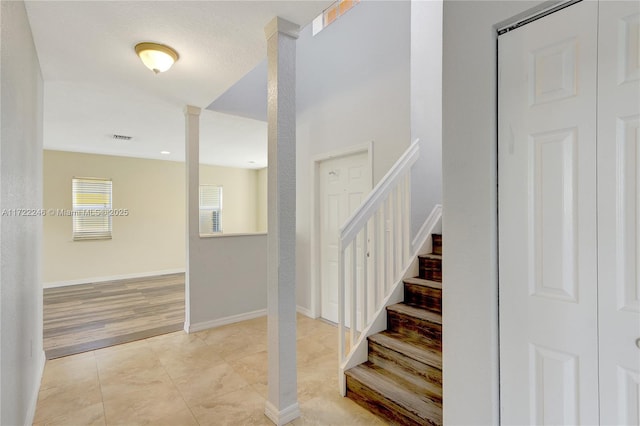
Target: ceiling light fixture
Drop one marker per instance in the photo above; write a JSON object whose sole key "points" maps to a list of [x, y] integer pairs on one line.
{"points": [[165, 152], [157, 57]]}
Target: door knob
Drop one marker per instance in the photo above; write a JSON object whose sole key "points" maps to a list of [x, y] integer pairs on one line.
{"points": [[638, 342]]}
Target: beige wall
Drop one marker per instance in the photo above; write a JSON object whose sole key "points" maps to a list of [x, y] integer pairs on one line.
{"points": [[151, 239], [239, 197]]}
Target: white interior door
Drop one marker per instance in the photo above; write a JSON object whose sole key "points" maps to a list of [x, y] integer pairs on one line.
{"points": [[547, 217], [619, 212], [344, 183]]}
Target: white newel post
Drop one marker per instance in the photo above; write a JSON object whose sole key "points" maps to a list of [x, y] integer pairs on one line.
{"points": [[282, 402], [192, 167]]}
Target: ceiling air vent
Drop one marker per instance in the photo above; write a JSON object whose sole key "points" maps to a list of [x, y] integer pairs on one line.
{"points": [[122, 137]]}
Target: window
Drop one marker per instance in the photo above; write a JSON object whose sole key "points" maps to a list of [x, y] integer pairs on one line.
{"points": [[91, 208], [210, 209], [330, 14]]}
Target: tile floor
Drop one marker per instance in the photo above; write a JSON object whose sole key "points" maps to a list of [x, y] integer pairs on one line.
{"points": [[214, 377]]}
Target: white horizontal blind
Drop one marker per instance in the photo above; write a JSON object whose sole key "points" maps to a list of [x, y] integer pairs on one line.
{"points": [[210, 209], [91, 208]]}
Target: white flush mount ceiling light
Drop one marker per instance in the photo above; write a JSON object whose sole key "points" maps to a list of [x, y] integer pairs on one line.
{"points": [[157, 57], [165, 152]]}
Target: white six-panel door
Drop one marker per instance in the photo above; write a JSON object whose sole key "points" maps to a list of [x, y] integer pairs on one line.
{"points": [[619, 212], [547, 220], [569, 215], [344, 183]]}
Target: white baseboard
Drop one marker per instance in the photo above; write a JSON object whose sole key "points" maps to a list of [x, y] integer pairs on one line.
{"points": [[305, 311], [282, 417], [31, 413], [427, 228], [112, 278], [192, 328]]}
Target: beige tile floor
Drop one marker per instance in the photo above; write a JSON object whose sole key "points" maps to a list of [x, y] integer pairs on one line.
{"points": [[214, 377]]}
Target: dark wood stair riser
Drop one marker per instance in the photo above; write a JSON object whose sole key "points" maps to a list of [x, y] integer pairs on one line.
{"points": [[436, 240], [431, 275], [401, 365], [423, 297], [431, 269], [378, 404], [431, 263], [415, 327]]}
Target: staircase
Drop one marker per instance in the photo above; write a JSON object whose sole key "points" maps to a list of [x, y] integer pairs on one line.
{"points": [[402, 379]]}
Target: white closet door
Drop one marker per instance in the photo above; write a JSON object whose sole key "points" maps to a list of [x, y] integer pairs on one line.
{"points": [[547, 218], [619, 211]]}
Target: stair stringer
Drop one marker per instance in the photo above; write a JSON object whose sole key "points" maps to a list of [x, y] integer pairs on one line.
{"points": [[360, 352]]}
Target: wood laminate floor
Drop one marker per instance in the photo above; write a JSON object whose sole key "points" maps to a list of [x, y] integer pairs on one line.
{"points": [[86, 317]]}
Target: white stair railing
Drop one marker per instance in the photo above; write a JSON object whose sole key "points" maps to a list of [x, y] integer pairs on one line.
{"points": [[374, 249]]}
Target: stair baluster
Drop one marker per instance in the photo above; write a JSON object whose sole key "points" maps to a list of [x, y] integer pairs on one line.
{"points": [[402, 379]]}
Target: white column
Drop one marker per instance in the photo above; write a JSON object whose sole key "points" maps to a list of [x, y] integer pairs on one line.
{"points": [[192, 167], [282, 402]]}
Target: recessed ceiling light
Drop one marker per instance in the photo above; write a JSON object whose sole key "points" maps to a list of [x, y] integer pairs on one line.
{"points": [[157, 57], [252, 162], [165, 152]]}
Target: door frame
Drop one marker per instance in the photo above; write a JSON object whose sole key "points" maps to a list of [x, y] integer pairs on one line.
{"points": [[314, 264]]}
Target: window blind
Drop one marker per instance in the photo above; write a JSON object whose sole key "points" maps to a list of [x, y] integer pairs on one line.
{"points": [[91, 208], [210, 209]]}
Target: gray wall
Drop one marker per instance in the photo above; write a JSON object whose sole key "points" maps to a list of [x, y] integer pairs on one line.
{"points": [[352, 88], [21, 352], [470, 299], [426, 108], [227, 276]]}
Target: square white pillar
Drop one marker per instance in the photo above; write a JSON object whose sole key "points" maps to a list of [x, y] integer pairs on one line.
{"points": [[192, 167], [282, 402]]}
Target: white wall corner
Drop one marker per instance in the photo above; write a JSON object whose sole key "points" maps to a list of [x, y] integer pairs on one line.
{"points": [[192, 328], [305, 311], [282, 417], [31, 414]]}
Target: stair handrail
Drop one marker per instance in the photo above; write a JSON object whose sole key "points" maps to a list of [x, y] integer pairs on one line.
{"points": [[396, 181]]}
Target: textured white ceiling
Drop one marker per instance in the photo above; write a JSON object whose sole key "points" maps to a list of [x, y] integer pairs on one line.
{"points": [[95, 85], [82, 117]]}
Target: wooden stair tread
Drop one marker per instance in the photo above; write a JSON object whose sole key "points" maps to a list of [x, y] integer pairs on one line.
{"points": [[418, 313], [430, 256], [402, 379], [409, 347], [424, 402], [423, 282]]}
